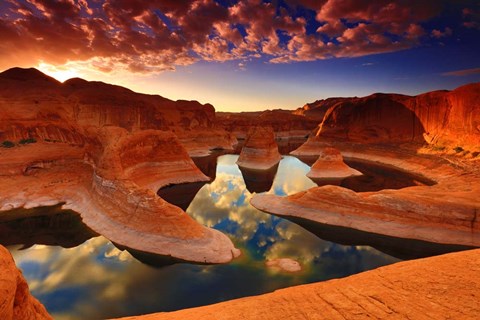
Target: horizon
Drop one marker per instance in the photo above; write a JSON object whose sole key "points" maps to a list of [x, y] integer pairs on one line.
{"points": [[248, 55]]}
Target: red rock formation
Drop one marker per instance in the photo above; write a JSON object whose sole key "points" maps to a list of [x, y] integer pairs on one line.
{"points": [[330, 167], [260, 150], [445, 118], [443, 287], [33, 105], [445, 212], [89, 145], [16, 302]]}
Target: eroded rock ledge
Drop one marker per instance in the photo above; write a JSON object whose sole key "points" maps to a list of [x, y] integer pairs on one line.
{"points": [[92, 147], [443, 287], [445, 212]]}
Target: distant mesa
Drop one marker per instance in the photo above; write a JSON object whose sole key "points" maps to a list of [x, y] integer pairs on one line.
{"points": [[330, 168], [260, 151]]}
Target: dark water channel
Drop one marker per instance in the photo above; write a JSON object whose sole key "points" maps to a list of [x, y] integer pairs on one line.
{"points": [[79, 275]]}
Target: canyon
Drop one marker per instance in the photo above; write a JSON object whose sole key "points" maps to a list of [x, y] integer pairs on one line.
{"points": [[104, 152]]}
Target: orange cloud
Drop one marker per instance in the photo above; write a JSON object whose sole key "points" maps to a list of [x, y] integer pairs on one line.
{"points": [[157, 35]]}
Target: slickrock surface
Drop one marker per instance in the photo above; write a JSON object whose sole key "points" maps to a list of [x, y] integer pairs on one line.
{"points": [[443, 287], [15, 300], [445, 212], [330, 166], [260, 150], [90, 146]]}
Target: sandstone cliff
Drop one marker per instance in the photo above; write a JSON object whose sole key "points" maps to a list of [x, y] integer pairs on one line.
{"points": [[33, 105], [446, 119], [16, 302], [260, 150]]}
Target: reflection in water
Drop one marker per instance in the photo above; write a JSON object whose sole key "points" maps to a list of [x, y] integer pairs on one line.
{"points": [[404, 249], [182, 194], [258, 180], [48, 225], [119, 285]]}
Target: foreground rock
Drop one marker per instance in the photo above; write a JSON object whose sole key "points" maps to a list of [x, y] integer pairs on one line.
{"points": [[443, 287], [260, 151], [15, 299], [445, 212], [330, 168]]}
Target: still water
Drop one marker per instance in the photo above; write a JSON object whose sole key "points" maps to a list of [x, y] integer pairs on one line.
{"points": [[85, 276]]}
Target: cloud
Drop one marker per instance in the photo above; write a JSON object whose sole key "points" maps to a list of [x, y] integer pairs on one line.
{"points": [[439, 34], [462, 73], [153, 36]]}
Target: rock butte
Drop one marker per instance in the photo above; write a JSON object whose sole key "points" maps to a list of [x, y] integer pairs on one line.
{"points": [[390, 130], [15, 299], [442, 287], [89, 146], [330, 166], [260, 151]]}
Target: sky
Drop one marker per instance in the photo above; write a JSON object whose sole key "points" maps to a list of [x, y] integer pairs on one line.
{"points": [[248, 55]]}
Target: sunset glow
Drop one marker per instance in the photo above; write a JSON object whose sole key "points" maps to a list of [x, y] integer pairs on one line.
{"points": [[248, 55]]}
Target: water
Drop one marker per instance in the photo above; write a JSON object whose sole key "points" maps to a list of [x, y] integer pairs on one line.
{"points": [[95, 280]]}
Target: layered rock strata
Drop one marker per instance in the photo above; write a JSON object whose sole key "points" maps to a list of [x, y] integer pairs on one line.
{"points": [[445, 212], [16, 302], [113, 187], [443, 287], [330, 167], [260, 151], [449, 120]]}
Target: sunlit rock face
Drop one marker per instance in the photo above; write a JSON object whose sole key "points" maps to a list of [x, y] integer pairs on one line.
{"points": [[260, 150], [88, 145], [330, 168], [403, 290], [15, 299], [388, 129], [447, 119]]}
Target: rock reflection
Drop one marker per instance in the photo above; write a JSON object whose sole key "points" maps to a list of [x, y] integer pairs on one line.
{"points": [[182, 194], [46, 225], [258, 180], [404, 249]]}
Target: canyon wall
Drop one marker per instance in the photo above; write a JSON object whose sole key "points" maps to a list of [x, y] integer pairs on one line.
{"points": [[446, 119], [33, 105]]}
